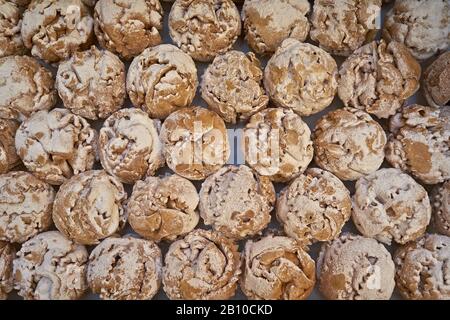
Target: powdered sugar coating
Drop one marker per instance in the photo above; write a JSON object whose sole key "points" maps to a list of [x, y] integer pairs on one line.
{"points": [[440, 202], [8, 156], [7, 255], [10, 23]]}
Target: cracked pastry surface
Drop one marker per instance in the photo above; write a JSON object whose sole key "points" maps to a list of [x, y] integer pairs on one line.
{"points": [[390, 205], [127, 27], [204, 28], [25, 87], [163, 208], [422, 268], [10, 24], [352, 267], [301, 77], [419, 142], [204, 265], [232, 86], [50, 267], [161, 80], [56, 144], [8, 156], [7, 255], [277, 144], [349, 143], [129, 145], [125, 269], [91, 83], [89, 207], [378, 78], [436, 81], [237, 202], [314, 207], [25, 206], [440, 203]]}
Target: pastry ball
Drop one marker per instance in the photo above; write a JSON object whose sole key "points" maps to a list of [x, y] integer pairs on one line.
{"points": [[195, 142], [8, 155], [232, 86], [378, 78], [436, 81], [277, 144], [422, 25], [440, 203], [56, 144], [349, 143], [422, 268], [25, 87], [237, 202], [352, 267], [89, 207], [162, 80], [10, 23], [25, 206], [7, 255], [314, 207], [390, 205], [204, 28], [127, 27], [125, 269], [419, 143], [129, 145], [301, 77], [91, 83], [54, 30], [163, 208], [204, 265]]}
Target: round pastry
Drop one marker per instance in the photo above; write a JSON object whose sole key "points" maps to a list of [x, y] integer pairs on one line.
{"points": [[56, 144], [277, 144], [25, 206], [301, 77], [161, 80], [89, 207], [163, 208], [25, 87], [352, 267], [378, 78], [10, 23], [8, 155], [349, 143], [237, 202], [195, 142], [436, 81], [204, 28], [390, 205], [91, 83], [422, 25], [422, 268], [202, 266], [54, 30], [125, 269], [129, 145], [127, 27], [440, 203], [7, 255], [420, 142], [314, 207]]}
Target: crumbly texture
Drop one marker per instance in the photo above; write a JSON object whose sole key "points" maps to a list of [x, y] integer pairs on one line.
{"points": [[125, 269], [422, 268], [91, 83], [422, 25], [56, 144], [349, 143], [25, 87], [342, 26], [314, 207], [378, 78], [8, 156], [419, 143], [237, 202], [301, 77], [129, 145], [202, 266], [436, 81], [127, 27], [440, 202], [268, 22], [390, 205], [195, 142], [352, 267], [7, 255], [89, 207], [10, 24], [204, 28], [277, 144], [50, 267], [163, 208]]}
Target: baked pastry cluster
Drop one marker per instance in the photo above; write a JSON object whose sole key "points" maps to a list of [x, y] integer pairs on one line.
{"points": [[10, 25]]}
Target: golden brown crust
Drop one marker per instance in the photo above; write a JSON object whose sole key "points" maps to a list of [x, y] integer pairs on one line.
{"points": [[8, 156], [10, 24], [436, 81], [7, 255]]}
